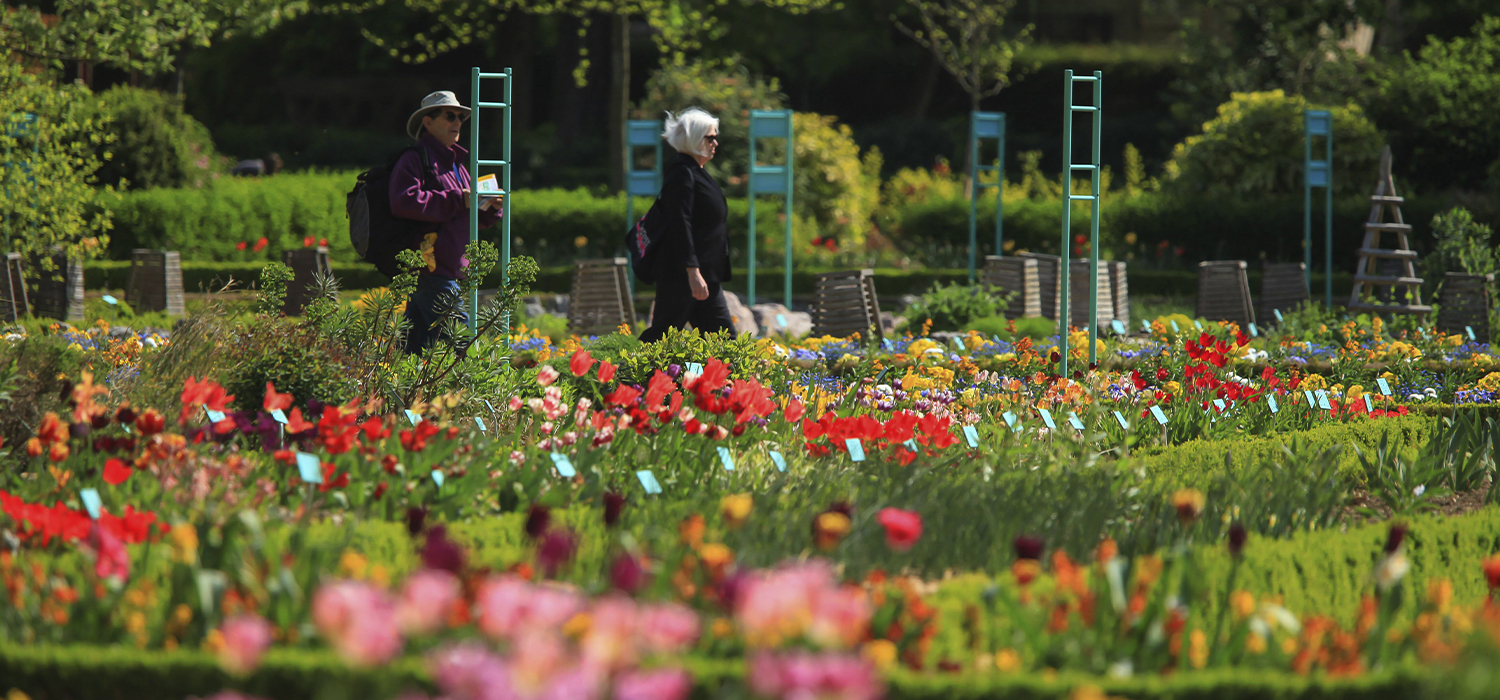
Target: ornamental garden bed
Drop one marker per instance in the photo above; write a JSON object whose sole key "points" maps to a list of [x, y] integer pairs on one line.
{"points": [[289, 508]]}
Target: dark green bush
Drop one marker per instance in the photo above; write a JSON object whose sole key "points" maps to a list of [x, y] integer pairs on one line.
{"points": [[156, 143], [294, 360], [954, 307]]}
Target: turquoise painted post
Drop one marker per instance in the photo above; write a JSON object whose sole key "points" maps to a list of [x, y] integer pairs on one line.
{"points": [[774, 179], [1065, 311], [475, 163], [983, 125], [1318, 173]]}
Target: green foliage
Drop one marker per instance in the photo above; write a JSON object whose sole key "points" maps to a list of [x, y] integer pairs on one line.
{"points": [[1255, 45], [968, 38], [637, 362], [955, 307], [273, 279], [835, 188], [153, 142], [1460, 244], [725, 89], [1439, 105], [226, 219], [51, 204], [1255, 146]]}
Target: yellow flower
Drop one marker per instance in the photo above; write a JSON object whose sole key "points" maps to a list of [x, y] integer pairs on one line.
{"points": [[1198, 649], [1243, 604], [918, 347], [428, 256], [1189, 505], [1354, 392], [735, 509], [135, 622], [1173, 387], [1007, 660], [1255, 644], [880, 652], [969, 396], [1130, 238], [1313, 382], [352, 564], [184, 543], [1490, 382], [1440, 594]]}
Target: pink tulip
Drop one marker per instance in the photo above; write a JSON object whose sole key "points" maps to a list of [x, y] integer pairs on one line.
{"points": [[426, 600], [246, 637], [358, 620], [668, 628], [802, 675], [546, 375], [111, 560], [469, 670], [661, 684], [610, 643], [508, 605]]}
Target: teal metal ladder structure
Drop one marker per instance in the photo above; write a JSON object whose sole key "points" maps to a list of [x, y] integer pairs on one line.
{"points": [[1318, 173], [770, 179], [641, 133], [985, 125], [476, 78], [1064, 313]]}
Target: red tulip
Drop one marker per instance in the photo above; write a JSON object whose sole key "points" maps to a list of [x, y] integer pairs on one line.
{"points": [[606, 371], [115, 472], [581, 363], [902, 528]]}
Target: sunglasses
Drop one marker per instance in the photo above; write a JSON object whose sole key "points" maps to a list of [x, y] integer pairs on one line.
{"points": [[712, 137], [452, 116]]}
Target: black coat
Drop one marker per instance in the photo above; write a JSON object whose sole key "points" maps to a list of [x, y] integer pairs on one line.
{"points": [[695, 232]]}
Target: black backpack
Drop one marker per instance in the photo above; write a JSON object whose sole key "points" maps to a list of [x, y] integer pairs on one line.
{"points": [[377, 234], [642, 240]]}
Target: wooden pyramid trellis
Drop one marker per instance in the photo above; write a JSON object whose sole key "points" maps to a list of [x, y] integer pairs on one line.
{"points": [[1367, 275]]}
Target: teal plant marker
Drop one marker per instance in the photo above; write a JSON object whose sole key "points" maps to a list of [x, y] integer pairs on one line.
{"points": [[778, 460], [1197, 324], [971, 435], [438, 478], [1175, 329], [1121, 420], [1271, 401], [488, 405], [413, 416], [1253, 332], [309, 468], [213, 416], [1470, 331], [480, 422], [91, 502], [1368, 406], [1384, 387], [1073, 421], [110, 300], [1157, 413], [641, 133], [1145, 326], [506, 107], [564, 465], [1312, 400], [694, 368], [1010, 418], [856, 450], [1118, 326], [1323, 400], [1219, 404], [910, 445], [648, 481], [1279, 319], [279, 416], [770, 179], [726, 459], [1047, 418], [781, 320]]}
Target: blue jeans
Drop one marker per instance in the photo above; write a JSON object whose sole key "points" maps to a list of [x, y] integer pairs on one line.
{"points": [[432, 293]]}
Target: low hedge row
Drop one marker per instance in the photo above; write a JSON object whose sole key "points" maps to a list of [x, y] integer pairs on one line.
{"points": [[118, 673], [889, 283], [1200, 457]]}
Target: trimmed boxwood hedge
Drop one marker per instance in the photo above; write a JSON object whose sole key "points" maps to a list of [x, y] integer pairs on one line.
{"points": [[119, 673]]}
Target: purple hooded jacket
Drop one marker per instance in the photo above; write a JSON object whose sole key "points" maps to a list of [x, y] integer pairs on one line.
{"points": [[443, 251]]}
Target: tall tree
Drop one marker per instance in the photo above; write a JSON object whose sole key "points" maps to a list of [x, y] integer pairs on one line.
{"points": [[135, 35], [969, 39]]}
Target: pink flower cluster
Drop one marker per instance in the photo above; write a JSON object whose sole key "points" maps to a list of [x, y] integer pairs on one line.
{"points": [[558, 645], [801, 601], [801, 675], [365, 623]]}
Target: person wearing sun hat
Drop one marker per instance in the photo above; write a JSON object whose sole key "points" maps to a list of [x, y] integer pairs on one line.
{"points": [[430, 184]]}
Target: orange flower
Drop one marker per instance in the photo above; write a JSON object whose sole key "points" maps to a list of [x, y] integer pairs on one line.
{"points": [[1026, 571], [52, 430], [84, 392], [150, 422], [1107, 551], [1492, 571], [275, 401], [829, 529], [1189, 504], [690, 530]]}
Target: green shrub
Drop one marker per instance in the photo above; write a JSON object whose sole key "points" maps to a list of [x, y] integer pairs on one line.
{"points": [[1459, 245], [155, 143], [1439, 108], [954, 307], [1255, 146], [296, 361], [835, 188]]}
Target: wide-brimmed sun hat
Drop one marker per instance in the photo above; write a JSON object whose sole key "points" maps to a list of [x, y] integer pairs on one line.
{"points": [[441, 98]]}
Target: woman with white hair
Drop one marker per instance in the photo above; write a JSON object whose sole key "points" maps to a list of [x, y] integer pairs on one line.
{"points": [[693, 257]]}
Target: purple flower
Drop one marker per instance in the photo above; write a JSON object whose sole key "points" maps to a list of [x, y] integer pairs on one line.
{"points": [[556, 550], [439, 552]]}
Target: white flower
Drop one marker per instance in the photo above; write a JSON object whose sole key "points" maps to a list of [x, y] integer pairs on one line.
{"points": [[1419, 490]]}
